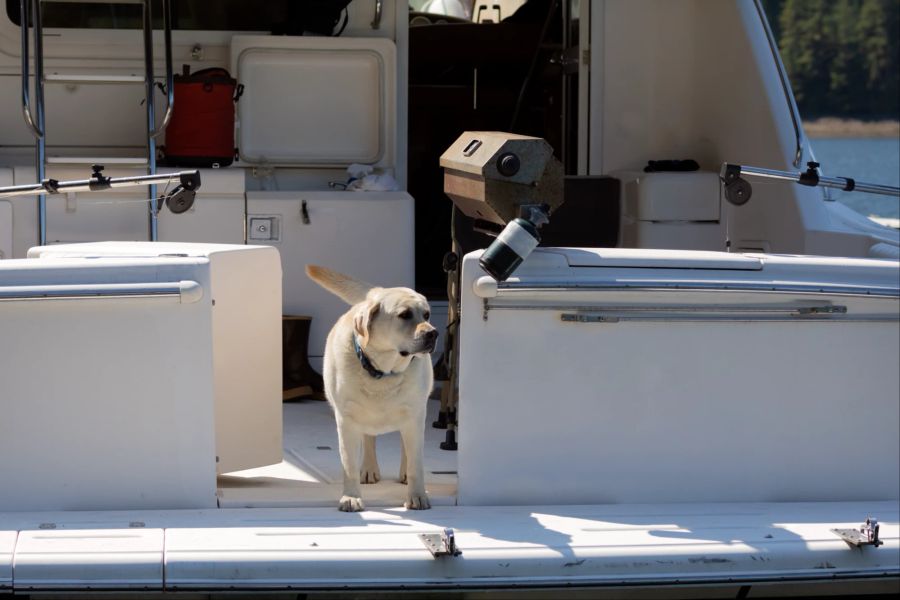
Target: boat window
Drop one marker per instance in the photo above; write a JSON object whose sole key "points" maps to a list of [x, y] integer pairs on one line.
{"points": [[277, 16]]}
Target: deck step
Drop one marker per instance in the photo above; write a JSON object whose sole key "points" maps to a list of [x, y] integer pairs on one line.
{"points": [[118, 161], [92, 79]]}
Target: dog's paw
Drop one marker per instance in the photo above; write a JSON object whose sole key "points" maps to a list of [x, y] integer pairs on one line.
{"points": [[370, 475], [351, 504], [417, 502]]}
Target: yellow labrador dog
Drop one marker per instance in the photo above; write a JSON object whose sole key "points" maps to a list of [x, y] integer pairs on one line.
{"points": [[378, 376]]}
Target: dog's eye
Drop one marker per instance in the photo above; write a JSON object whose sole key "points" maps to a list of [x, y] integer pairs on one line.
{"points": [[405, 315], [427, 315]]}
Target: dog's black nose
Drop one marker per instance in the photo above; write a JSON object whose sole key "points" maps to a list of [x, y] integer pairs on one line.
{"points": [[431, 335]]}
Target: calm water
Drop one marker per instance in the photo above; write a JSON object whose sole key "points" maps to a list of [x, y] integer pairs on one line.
{"points": [[872, 160]]}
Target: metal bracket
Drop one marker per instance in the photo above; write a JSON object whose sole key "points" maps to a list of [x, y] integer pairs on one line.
{"points": [[440, 544], [828, 309], [866, 535], [586, 318]]}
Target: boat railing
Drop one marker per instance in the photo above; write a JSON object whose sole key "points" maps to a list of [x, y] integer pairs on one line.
{"points": [[785, 84], [34, 115]]}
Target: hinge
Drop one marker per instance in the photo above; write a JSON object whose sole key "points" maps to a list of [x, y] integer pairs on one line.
{"points": [[440, 544], [866, 535]]}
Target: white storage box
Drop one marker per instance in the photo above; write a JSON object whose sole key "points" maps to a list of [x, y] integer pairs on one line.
{"points": [[606, 376], [672, 210], [159, 364]]}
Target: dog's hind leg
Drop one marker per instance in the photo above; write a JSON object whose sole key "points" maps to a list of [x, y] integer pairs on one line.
{"points": [[370, 472], [350, 442]]}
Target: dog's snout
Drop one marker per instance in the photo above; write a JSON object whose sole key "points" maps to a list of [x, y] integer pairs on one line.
{"points": [[431, 335]]}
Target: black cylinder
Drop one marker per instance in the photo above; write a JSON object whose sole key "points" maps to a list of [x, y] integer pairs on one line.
{"points": [[511, 247]]}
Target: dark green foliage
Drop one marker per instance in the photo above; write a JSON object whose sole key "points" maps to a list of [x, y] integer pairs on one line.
{"points": [[841, 55]]}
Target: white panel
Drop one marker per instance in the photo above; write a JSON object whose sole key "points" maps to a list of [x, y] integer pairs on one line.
{"points": [[741, 410], [677, 196], [244, 293], [217, 215], [119, 559], [246, 286], [106, 115], [6, 218], [368, 235], [6, 229], [313, 101], [7, 547], [106, 403], [120, 214]]}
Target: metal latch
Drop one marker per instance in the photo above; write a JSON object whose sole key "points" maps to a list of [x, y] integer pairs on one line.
{"points": [[866, 535], [440, 544]]}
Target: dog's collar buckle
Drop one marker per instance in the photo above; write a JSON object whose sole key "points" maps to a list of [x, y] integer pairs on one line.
{"points": [[367, 363]]}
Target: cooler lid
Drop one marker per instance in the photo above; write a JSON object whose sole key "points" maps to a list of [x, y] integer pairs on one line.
{"points": [[659, 259]]}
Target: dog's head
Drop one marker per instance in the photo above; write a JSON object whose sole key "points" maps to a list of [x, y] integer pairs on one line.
{"points": [[395, 319]]}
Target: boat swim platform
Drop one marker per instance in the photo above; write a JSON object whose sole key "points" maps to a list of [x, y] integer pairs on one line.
{"points": [[726, 546]]}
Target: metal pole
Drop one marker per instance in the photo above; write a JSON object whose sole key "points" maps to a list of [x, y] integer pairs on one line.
{"points": [[170, 80], [40, 148], [812, 179], [189, 179], [151, 118]]}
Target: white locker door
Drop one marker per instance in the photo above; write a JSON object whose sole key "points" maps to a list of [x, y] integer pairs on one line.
{"points": [[368, 235]]}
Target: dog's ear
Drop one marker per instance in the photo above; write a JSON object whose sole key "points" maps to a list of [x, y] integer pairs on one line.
{"points": [[363, 320]]}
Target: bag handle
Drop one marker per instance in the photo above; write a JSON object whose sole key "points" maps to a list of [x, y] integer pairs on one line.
{"points": [[205, 74]]}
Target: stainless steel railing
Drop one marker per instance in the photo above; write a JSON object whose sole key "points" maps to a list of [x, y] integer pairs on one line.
{"points": [[34, 118], [186, 292]]}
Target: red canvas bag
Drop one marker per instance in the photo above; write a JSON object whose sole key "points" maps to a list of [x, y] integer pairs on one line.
{"points": [[201, 130]]}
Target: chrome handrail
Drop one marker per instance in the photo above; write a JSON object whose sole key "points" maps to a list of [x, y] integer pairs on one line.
{"points": [[170, 79], [187, 292], [24, 8], [487, 288], [376, 20], [35, 122]]}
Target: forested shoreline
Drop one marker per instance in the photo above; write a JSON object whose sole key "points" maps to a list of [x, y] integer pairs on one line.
{"points": [[841, 56]]}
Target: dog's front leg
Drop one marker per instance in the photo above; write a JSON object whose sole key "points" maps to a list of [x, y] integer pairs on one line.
{"points": [[413, 440], [402, 462], [350, 442], [370, 471]]}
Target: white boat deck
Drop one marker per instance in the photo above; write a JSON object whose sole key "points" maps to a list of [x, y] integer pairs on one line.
{"points": [[278, 528], [310, 474]]}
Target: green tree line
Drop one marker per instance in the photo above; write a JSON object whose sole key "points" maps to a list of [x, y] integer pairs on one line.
{"points": [[841, 55]]}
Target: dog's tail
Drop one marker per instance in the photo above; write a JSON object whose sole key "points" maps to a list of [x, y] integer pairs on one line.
{"points": [[351, 291]]}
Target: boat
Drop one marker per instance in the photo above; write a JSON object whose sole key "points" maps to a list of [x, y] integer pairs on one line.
{"points": [[690, 387]]}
